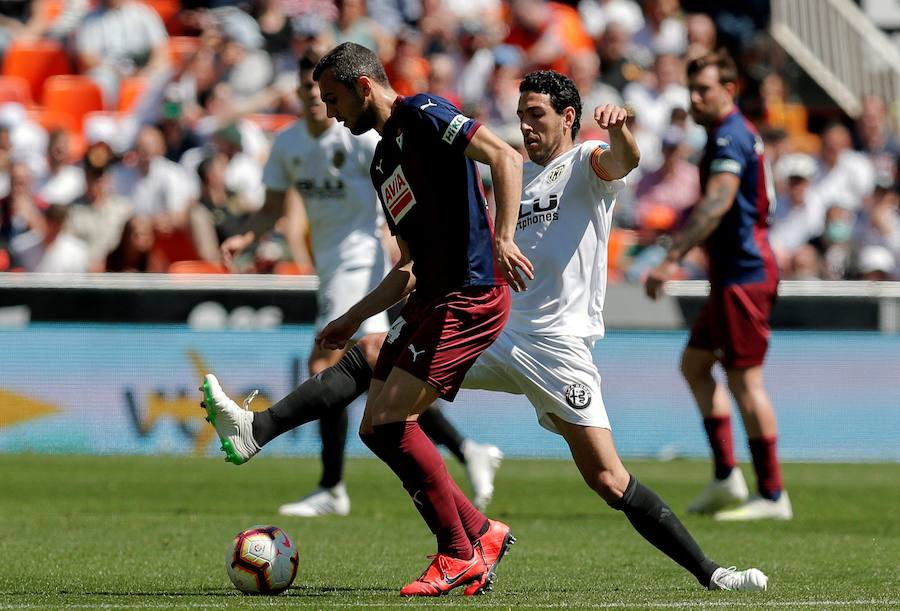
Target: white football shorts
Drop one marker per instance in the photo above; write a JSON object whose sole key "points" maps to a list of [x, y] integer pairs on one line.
{"points": [[556, 374], [338, 292]]}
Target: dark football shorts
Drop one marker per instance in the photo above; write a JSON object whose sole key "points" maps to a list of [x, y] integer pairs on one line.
{"points": [[734, 323], [437, 339]]}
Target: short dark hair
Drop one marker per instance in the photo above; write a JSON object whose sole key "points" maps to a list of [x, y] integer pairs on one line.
{"points": [[562, 91], [720, 59], [348, 62]]}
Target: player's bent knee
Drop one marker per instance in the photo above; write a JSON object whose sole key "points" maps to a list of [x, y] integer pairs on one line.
{"points": [[609, 485]]}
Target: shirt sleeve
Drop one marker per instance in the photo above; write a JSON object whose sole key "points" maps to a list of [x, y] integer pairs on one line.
{"points": [[592, 151], [728, 156], [275, 177], [442, 119]]}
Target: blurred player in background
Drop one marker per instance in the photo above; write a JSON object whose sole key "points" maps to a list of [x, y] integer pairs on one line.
{"points": [[731, 221], [329, 167], [544, 352]]}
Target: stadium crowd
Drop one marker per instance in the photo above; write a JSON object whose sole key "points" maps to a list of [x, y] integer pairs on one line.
{"points": [[136, 141]]}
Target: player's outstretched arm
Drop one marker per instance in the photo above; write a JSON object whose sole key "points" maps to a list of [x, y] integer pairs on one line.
{"points": [[399, 283], [506, 173], [721, 190], [623, 154], [259, 223]]}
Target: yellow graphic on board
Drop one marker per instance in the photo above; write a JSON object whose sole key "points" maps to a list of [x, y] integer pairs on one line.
{"points": [[184, 408], [15, 408]]}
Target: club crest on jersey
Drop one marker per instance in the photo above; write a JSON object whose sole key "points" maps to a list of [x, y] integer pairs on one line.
{"points": [[578, 395], [339, 158], [397, 195], [456, 124], [555, 173]]}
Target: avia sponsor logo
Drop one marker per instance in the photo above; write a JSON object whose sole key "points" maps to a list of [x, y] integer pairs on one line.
{"points": [[456, 124], [538, 210], [397, 195]]}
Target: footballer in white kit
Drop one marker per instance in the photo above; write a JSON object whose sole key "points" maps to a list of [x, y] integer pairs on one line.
{"points": [[544, 352], [331, 173]]}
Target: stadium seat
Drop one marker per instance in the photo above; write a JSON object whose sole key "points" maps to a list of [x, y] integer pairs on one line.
{"points": [[15, 89], [181, 47], [197, 266], [292, 268], [35, 61], [73, 95], [271, 123], [168, 11], [130, 90]]}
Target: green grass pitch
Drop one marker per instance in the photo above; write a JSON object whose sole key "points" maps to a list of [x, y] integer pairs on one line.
{"points": [[152, 532]]}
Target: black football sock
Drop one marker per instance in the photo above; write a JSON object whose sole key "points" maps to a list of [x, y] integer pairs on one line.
{"points": [[653, 519], [333, 429], [330, 390], [441, 431]]}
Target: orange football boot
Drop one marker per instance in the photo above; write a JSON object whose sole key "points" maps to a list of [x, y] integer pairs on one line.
{"points": [[491, 546], [445, 573]]}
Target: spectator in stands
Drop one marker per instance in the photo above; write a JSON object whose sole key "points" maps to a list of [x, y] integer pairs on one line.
{"points": [[845, 177], [99, 216], [622, 61], [584, 70], [675, 185], [156, 187], [876, 263], [241, 62], [27, 141], [408, 70], [243, 174], [476, 57], [136, 251], [442, 77], [21, 211], [803, 216], [658, 92], [354, 25], [879, 222], [120, 38], [701, 35], [220, 213], [548, 33], [834, 245], [438, 25], [663, 32], [6, 158], [63, 182], [312, 35], [51, 249], [877, 139]]}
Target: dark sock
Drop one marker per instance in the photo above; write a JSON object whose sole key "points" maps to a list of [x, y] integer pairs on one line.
{"points": [[411, 455], [765, 463], [333, 429], [718, 430], [653, 519], [328, 391], [436, 426]]}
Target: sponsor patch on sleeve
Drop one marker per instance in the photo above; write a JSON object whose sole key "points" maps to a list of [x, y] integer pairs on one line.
{"points": [[725, 165], [456, 124]]}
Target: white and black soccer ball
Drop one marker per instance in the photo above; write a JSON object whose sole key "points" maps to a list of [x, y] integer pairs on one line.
{"points": [[262, 560]]}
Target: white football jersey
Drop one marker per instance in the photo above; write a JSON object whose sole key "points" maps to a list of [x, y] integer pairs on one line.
{"points": [[331, 173], [563, 228]]}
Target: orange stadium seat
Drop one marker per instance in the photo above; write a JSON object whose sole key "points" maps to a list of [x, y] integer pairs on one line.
{"points": [[180, 47], [292, 268], [168, 11], [74, 95], [36, 61], [130, 91], [270, 123], [15, 89], [197, 266]]}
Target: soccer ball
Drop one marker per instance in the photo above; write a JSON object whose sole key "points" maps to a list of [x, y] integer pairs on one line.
{"points": [[262, 560]]}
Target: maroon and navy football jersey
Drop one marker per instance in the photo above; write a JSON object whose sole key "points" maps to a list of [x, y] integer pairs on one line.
{"points": [[739, 250], [432, 196]]}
